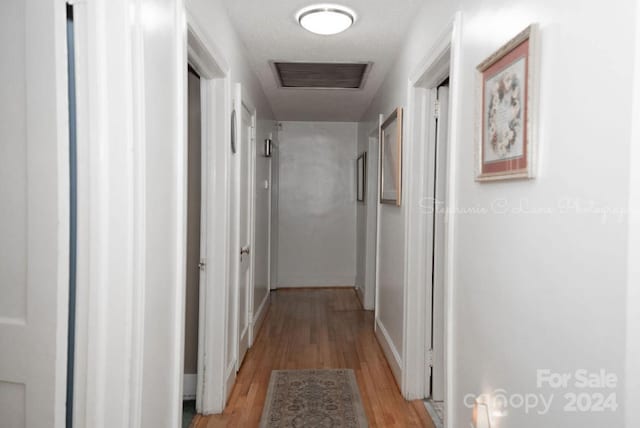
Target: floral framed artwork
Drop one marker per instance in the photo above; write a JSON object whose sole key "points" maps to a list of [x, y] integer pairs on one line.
{"points": [[361, 177], [391, 159], [506, 112]]}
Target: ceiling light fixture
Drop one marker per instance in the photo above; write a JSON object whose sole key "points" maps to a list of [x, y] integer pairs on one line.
{"points": [[326, 19]]}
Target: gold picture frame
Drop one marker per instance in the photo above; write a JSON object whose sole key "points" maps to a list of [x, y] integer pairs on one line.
{"points": [[361, 178], [391, 159]]}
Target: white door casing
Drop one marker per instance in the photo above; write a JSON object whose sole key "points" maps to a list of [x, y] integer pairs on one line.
{"points": [[442, 60], [371, 239]]}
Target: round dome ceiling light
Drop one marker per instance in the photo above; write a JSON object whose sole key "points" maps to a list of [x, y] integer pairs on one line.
{"points": [[326, 19]]}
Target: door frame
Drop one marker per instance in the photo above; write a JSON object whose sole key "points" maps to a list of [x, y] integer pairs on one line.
{"points": [[111, 209], [206, 59], [371, 233], [242, 100], [444, 59]]}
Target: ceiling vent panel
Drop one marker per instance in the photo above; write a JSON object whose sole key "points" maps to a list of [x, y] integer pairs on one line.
{"points": [[321, 75]]}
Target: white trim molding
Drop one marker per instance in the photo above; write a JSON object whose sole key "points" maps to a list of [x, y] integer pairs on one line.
{"points": [[328, 280], [259, 317], [390, 351], [111, 215], [229, 380], [371, 229]]}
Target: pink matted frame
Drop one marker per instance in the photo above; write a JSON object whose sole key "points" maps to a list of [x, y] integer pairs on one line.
{"points": [[524, 45]]}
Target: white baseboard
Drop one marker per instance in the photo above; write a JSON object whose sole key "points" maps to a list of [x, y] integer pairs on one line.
{"points": [[390, 351], [189, 386], [259, 316], [328, 280], [230, 380], [360, 294]]}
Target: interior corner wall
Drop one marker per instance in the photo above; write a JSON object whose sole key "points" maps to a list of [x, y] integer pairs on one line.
{"points": [[316, 206], [540, 279]]}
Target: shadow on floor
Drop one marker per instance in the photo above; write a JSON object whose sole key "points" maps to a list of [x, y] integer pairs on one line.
{"points": [[188, 412]]}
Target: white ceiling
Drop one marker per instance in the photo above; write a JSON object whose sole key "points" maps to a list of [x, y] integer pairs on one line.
{"points": [[269, 30]]}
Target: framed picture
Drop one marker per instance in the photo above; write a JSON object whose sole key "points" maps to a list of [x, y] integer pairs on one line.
{"points": [[506, 111], [361, 183], [391, 159]]}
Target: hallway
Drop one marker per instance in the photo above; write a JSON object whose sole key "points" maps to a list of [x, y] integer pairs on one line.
{"points": [[331, 211], [322, 328]]}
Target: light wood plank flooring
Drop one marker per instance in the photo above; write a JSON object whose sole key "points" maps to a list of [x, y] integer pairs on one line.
{"points": [[323, 328]]}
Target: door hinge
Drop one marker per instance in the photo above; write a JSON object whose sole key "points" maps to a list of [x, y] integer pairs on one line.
{"points": [[202, 265], [436, 109], [429, 358]]}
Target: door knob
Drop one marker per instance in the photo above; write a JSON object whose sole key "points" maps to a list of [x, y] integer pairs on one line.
{"points": [[245, 250]]}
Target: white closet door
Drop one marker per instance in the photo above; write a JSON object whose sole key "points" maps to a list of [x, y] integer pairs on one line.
{"points": [[34, 214]]}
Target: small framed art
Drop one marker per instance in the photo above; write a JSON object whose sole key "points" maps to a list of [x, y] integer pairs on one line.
{"points": [[361, 178], [391, 159]]}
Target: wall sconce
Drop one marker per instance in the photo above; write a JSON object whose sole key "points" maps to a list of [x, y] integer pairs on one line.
{"points": [[480, 417], [268, 148]]}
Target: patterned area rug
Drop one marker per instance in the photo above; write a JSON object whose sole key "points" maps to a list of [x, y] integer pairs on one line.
{"points": [[436, 411], [313, 398]]}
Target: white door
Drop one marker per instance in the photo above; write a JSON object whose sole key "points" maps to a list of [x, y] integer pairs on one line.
{"points": [[34, 219], [442, 125], [202, 288], [244, 274]]}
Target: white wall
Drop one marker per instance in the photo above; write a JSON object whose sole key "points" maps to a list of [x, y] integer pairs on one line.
{"points": [[532, 291], [317, 209]]}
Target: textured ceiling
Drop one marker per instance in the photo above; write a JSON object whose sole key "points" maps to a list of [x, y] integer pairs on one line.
{"points": [[270, 32]]}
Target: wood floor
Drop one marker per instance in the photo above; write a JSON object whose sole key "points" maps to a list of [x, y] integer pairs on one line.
{"points": [[324, 328]]}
